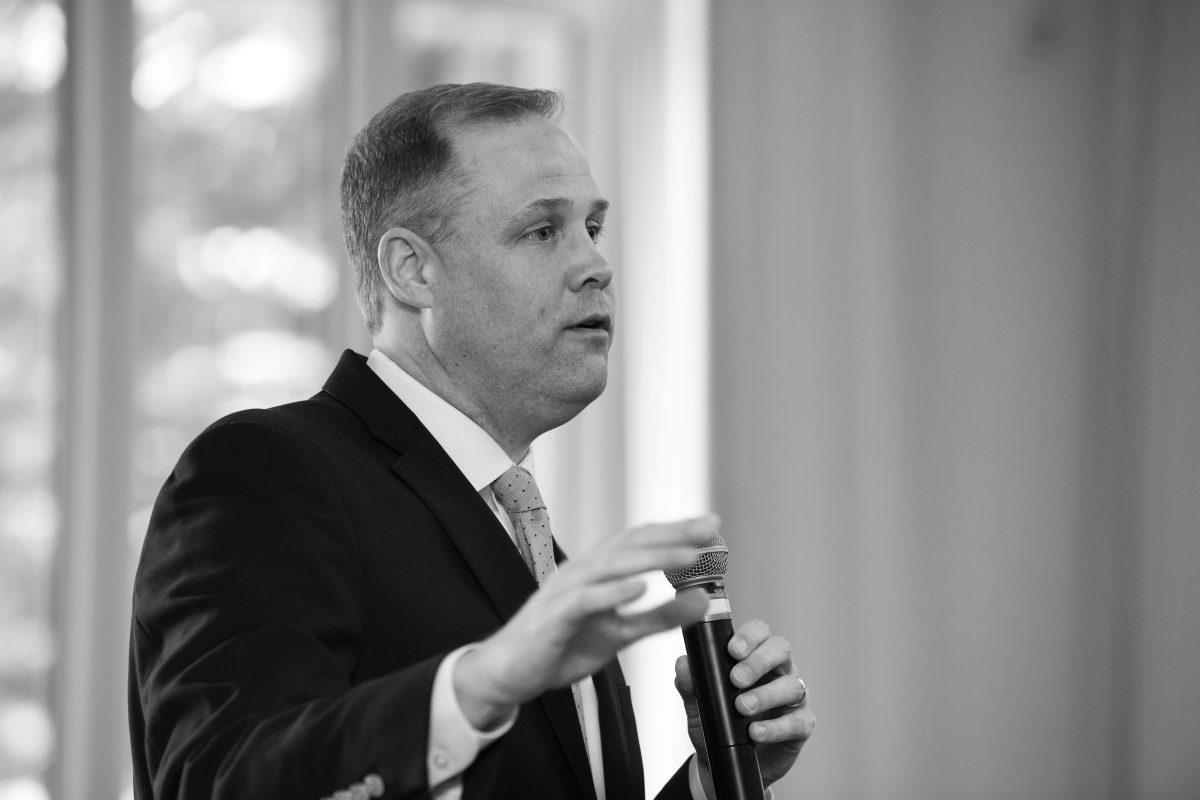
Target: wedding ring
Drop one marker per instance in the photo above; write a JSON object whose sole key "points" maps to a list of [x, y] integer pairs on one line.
{"points": [[803, 693]]}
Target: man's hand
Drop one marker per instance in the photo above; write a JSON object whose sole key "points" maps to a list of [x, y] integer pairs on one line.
{"points": [[772, 696], [570, 627]]}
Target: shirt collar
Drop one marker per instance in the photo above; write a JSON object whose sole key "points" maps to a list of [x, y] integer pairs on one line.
{"points": [[473, 451]]}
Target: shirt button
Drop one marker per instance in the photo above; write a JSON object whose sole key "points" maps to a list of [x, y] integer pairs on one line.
{"points": [[439, 760]]}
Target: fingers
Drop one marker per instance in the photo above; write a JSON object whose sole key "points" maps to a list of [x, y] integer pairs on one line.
{"points": [[785, 690], [683, 677], [795, 727], [687, 534], [767, 653], [605, 596], [748, 636], [620, 563], [686, 608], [686, 688], [661, 546], [694, 532], [792, 727]]}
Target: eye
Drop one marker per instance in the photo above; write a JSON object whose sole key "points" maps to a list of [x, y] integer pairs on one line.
{"points": [[595, 230], [542, 234]]}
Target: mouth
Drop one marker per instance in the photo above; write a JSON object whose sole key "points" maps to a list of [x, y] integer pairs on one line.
{"points": [[595, 322]]}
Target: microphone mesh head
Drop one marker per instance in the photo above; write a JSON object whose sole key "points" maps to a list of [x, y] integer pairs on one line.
{"points": [[711, 562]]}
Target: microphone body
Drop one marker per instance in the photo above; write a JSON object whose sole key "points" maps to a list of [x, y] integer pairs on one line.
{"points": [[731, 757]]}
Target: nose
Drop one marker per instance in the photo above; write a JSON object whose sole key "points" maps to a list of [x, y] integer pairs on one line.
{"points": [[589, 267]]}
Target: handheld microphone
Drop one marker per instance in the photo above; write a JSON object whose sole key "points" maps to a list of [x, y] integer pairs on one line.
{"points": [[731, 757]]}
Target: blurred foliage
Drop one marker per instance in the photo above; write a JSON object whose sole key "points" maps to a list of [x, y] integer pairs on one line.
{"points": [[237, 252], [32, 49]]}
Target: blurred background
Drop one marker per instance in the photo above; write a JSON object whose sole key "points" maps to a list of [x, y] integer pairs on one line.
{"points": [[909, 291]]}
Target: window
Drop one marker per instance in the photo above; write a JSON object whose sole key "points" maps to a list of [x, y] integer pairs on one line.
{"points": [[238, 256]]}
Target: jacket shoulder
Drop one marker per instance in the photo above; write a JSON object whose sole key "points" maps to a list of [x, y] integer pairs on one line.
{"points": [[307, 425]]}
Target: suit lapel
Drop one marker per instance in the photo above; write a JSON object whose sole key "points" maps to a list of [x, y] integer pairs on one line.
{"points": [[469, 523], [426, 469], [466, 519]]}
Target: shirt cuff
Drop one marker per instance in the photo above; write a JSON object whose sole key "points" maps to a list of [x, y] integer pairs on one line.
{"points": [[697, 787], [694, 784], [454, 742]]}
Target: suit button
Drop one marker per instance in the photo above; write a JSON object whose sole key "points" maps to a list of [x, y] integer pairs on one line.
{"points": [[374, 785]]}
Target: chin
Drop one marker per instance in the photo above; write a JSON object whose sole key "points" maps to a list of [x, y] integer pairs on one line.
{"points": [[582, 389], [589, 387]]}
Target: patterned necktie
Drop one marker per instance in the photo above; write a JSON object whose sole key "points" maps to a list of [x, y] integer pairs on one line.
{"points": [[518, 493]]}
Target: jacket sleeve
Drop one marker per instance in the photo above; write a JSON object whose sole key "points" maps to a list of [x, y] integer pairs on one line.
{"points": [[247, 622]]}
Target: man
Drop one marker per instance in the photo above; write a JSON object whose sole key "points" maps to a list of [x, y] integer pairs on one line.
{"points": [[357, 595]]}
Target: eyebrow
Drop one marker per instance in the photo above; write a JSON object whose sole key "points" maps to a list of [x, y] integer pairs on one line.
{"points": [[553, 204]]}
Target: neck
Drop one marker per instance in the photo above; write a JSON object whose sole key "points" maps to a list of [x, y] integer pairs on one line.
{"points": [[429, 372]]}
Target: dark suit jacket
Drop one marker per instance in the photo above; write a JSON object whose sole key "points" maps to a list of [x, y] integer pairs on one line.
{"points": [[306, 569]]}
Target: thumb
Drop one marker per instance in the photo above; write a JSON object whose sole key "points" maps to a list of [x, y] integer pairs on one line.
{"points": [[686, 688]]}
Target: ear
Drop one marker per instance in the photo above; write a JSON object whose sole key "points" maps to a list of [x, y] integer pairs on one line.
{"points": [[406, 262]]}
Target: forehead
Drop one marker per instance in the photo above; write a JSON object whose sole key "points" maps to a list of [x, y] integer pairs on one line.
{"points": [[512, 163]]}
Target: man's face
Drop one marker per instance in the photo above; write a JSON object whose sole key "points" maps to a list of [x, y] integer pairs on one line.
{"points": [[522, 318]]}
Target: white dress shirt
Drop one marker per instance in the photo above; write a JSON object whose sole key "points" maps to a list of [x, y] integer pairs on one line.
{"points": [[453, 742]]}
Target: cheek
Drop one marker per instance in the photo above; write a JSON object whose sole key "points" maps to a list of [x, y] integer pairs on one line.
{"points": [[517, 307], [505, 301], [502, 316]]}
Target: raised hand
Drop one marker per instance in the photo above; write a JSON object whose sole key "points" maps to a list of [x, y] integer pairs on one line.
{"points": [[571, 627]]}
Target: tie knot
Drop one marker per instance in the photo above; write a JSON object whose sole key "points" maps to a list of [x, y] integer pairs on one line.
{"points": [[517, 491]]}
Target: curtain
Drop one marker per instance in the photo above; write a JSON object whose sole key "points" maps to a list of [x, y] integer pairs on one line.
{"points": [[955, 393]]}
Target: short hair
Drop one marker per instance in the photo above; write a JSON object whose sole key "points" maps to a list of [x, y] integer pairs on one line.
{"points": [[402, 169]]}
